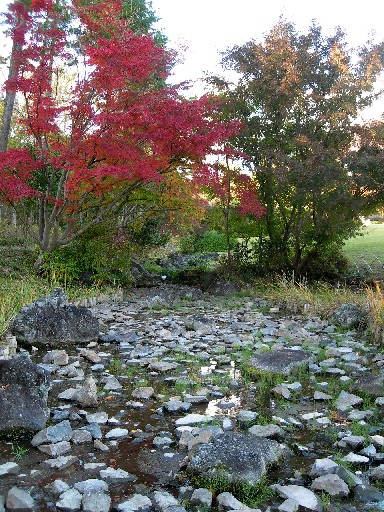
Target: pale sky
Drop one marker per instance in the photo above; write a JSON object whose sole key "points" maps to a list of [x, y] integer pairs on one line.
{"points": [[207, 27]]}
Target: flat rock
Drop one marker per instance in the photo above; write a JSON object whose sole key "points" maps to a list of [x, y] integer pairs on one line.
{"points": [[113, 475], [331, 484], [54, 434], [137, 503], [9, 468], [241, 457], [51, 321], [144, 393], [20, 500], [304, 497], [280, 361], [69, 501]]}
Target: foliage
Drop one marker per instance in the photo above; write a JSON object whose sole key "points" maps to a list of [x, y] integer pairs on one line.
{"points": [[250, 494], [298, 96], [209, 241], [119, 128], [98, 256]]}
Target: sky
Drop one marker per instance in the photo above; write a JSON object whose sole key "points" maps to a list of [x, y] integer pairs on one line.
{"points": [[204, 28], [208, 27]]}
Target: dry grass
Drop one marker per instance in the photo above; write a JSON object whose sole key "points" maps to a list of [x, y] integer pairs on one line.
{"points": [[319, 298]]}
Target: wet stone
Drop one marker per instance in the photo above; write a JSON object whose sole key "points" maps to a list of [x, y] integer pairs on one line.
{"points": [[117, 433], [304, 497], [113, 475], [144, 393], [137, 503], [9, 468], [69, 501], [96, 502], [331, 484], [54, 450], [270, 431], [323, 467], [281, 361], [241, 457], [201, 497], [20, 500]]}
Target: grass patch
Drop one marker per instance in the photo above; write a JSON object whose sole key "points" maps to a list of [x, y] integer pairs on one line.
{"points": [[218, 482], [366, 251], [16, 293]]}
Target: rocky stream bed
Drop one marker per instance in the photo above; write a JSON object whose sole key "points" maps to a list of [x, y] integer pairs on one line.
{"points": [[193, 402]]}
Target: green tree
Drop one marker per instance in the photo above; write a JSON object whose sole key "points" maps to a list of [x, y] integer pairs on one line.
{"points": [[298, 96]]}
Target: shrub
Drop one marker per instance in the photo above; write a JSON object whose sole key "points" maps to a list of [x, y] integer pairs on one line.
{"points": [[210, 241]]}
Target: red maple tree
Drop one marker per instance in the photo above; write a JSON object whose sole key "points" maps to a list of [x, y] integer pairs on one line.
{"points": [[119, 128]]}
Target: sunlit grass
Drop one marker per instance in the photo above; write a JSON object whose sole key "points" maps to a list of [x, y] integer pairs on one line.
{"points": [[366, 251]]}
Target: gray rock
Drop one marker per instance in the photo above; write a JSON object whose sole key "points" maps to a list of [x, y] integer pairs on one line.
{"points": [[163, 366], [60, 463], [281, 361], [86, 395], [288, 506], [201, 497], [91, 485], [164, 500], [23, 399], [174, 406], [332, 484], [52, 322], [100, 417], [113, 475], [368, 494], [56, 357], [138, 503], [94, 429], [353, 458], [112, 384], [144, 393], [323, 467], [2, 503], [246, 417], [9, 468], [240, 457], [81, 436], [304, 497], [270, 431], [69, 501], [349, 316], [346, 401], [57, 487], [96, 502], [192, 419], [350, 478], [117, 433], [19, 500], [355, 442], [377, 474], [226, 501], [55, 434], [54, 450]]}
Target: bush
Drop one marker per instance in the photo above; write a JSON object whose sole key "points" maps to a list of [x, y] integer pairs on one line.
{"points": [[210, 241], [95, 257]]}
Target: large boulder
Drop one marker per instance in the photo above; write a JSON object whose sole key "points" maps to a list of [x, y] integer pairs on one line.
{"points": [[237, 457], [349, 316], [23, 395], [52, 322]]}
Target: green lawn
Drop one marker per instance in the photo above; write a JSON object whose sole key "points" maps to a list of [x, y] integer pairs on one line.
{"points": [[366, 251]]}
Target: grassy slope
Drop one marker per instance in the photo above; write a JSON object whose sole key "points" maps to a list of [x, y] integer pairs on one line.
{"points": [[366, 252]]}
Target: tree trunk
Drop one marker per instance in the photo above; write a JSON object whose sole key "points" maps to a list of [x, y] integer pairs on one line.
{"points": [[10, 95]]}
